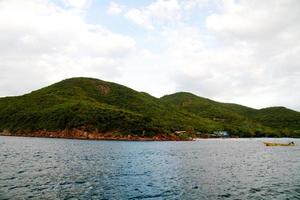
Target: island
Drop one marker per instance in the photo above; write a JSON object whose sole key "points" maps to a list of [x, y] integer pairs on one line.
{"points": [[88, 108]]}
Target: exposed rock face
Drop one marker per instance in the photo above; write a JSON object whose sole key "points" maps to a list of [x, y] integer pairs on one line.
{"points": [[104, 89], [80, 134]]}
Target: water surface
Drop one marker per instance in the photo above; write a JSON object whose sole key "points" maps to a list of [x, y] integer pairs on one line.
{"points": [[41, 168]]}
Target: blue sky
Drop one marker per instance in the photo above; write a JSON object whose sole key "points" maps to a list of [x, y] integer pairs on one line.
{"points": [[243, 51]]}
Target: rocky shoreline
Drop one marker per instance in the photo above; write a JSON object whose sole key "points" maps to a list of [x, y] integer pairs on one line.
{"points": [[84, 135]]}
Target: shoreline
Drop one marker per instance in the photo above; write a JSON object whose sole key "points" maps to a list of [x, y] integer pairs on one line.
{"points": [[84, 135]]}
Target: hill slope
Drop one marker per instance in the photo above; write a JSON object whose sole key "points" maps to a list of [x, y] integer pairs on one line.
{"points": [[91, 104], [231, 116], [95, 105], [241, 120], [278, 117]]}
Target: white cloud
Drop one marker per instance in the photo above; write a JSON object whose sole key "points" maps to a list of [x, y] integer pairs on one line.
{"points": [[42, 43], [77, 4], [248, 54], [256, 20], [245, 52], [191, 4], [114, 9], [138, 17], [167, 10], [165, 13], [158, 12]]}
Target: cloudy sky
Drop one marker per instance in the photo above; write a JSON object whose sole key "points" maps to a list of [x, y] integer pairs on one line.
{"points": [[241, 51]]}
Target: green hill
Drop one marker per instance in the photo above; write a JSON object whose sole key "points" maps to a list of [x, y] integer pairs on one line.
{"points": [[278, 117], [230, 115], [238, 119], [203, 107], [95, 105], [91, 104]]}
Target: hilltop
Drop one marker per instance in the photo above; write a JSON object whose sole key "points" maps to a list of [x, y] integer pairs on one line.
{"points": [[240, 120], [86, 105]]}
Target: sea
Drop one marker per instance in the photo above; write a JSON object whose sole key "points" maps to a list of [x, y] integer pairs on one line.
{"points": [[44, 168]]}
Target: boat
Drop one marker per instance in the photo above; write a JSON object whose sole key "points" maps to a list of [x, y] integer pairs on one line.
{"points": [[279, 144]]}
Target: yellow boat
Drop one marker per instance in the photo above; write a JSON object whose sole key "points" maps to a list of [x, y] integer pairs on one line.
{"points": [[279, 144]]}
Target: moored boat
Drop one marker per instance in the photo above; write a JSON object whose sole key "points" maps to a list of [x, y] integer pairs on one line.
{"points": [[279, 144]]}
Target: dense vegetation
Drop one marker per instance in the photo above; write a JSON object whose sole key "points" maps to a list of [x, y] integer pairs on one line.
{"points": [[241, 120], [95, 105]]}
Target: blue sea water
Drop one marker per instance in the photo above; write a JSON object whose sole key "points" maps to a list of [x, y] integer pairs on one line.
{"points": [[41, 168]]}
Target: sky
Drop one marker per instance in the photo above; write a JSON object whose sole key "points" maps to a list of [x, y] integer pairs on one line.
{"points": [[238, 51]]}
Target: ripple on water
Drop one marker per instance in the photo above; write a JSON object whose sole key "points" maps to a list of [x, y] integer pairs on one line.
{"points": [[254, 190], [210, 169], [18, 186], [21, 171], [65, 183], [227, 195], [9, 178], [162, 195], [80, 182]]}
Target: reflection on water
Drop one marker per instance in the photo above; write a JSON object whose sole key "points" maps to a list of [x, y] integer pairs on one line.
{"points": [[41, 168]]}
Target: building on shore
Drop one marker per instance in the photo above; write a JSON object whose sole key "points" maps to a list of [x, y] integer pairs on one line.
{"points": [[221, 133]]}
